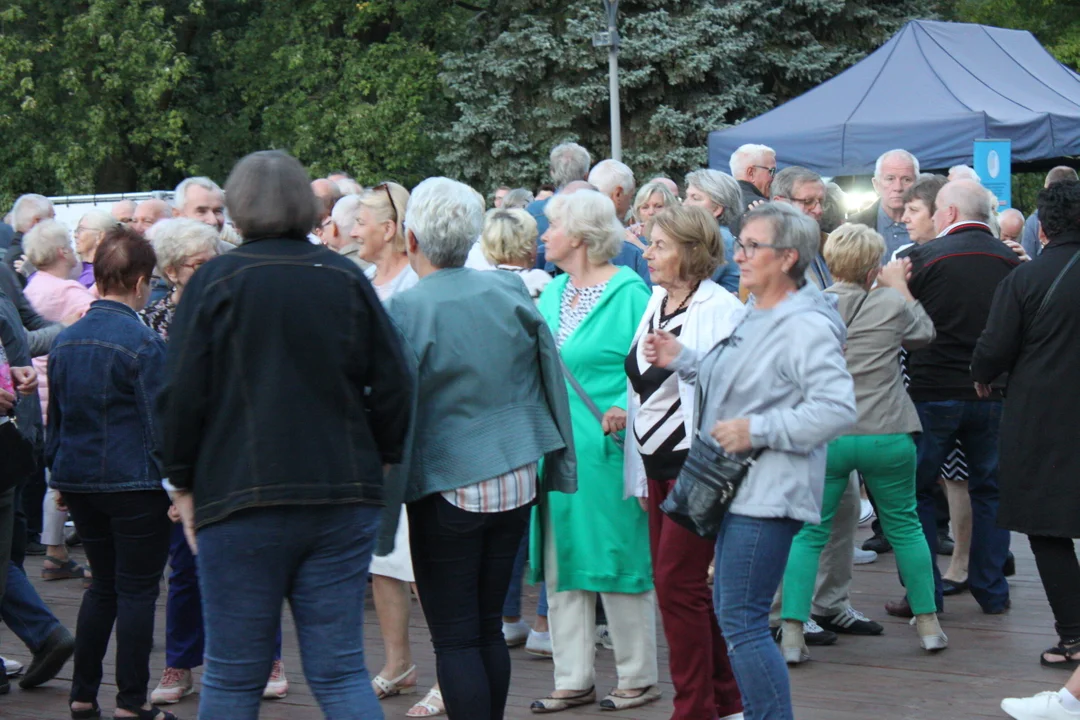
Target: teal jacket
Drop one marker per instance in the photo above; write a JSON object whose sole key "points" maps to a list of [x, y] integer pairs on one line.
{"points": [[490, 395]]}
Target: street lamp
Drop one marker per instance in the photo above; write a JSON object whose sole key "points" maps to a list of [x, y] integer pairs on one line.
{"points": [[610, 40]]}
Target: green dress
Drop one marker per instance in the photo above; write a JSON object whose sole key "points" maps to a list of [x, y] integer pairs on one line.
{"points": [[601, 539]]}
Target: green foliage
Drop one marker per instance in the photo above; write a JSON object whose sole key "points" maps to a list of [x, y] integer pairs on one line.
{"points": [[1056, 23]]}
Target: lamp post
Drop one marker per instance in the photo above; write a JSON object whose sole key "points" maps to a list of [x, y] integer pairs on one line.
{"points": [[610, 40]]}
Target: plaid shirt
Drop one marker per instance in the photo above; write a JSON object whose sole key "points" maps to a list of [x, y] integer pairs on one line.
{"points": [[498, 494]]}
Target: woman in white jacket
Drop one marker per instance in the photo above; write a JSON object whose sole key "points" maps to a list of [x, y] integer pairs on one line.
{"points": [[685, 249]]}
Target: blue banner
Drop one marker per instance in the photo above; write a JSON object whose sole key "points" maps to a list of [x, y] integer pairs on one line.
{"points": [[993, 163]]}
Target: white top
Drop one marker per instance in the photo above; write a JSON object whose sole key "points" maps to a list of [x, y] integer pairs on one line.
{"points": [[402, 281], [476, 259], [535, 279]]}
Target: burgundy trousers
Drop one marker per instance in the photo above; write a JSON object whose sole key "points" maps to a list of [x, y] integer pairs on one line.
{"points": [[705, 687]]}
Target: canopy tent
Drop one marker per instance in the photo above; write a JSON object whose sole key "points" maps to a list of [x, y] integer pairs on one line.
{"points": [[932, 89]]}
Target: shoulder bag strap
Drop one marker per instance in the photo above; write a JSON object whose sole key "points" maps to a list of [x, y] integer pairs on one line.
{"points": [[1050, 293], [858, 309], [596, 412]]}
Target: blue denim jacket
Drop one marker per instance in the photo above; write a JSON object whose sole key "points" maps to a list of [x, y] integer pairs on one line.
{"points": [[105, 372]]}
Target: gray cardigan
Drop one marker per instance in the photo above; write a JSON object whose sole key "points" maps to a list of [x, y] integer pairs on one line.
{"points": [[885, 322], [789, 378], [490, 393]]}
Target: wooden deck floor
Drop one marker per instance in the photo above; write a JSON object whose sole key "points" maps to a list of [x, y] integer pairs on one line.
{"points": [[887, 678]]}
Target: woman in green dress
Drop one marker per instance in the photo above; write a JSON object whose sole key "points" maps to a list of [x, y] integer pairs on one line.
{"points": [[595, 541]]}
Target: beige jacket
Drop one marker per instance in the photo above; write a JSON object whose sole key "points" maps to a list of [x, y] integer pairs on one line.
{"points": [[879, 324]]}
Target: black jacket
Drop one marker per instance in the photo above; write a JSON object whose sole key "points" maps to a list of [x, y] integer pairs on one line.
{"points": [[285, 383], [1039, 438], [750, 195], [954, 277], [15, 252], [40, 333]]}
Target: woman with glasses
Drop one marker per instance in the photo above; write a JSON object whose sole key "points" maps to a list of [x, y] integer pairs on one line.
{"points": [[719, 194], [88, 235], [777, 387], [379, 231]]}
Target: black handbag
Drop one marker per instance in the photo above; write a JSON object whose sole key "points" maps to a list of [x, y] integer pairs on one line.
{"points": [[16, 456], [707, 482]]}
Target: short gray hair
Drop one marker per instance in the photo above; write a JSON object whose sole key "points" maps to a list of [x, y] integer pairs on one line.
{"points": [[43, 241], [611, 174], [180, 194], [445, 216], [589, 215], [785, 182], [971, 200], [269, 194], [345, 211], [517, 198], [963, 172], [177, 239], [29, 209], [791, 229], [98, 220], [747, 155], [898, 152], [569, 162], [723, 190]]}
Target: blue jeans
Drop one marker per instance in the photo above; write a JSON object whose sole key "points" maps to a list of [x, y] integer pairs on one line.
{"points": [[317, 556], [750, 557], [21, 608], [512, 605], [975, 424]]}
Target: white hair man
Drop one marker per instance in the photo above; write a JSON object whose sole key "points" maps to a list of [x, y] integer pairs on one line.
{"points": [[754, 166], [27, 212], [894, 172], [123, 211], [568, 162], [963, 172], [200, 198], [336, 235], [615, 180], [1012, 225], [149, 212], [1030, 239], [327, 193]]}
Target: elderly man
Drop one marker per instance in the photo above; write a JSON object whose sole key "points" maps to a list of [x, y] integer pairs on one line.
{"points": [[754, 166], [955, 277], [149, 212], [894, 172], [200, 198], [123, 211], [806, 190], [568, 162], [1030, 239], [28, 211], [616, 180], [668, 183], [1012, 225], [335, 234], [327, 192], [963, 172], [500, 193]]}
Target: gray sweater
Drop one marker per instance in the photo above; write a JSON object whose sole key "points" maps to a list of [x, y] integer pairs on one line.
{"points": [[783, 369]]}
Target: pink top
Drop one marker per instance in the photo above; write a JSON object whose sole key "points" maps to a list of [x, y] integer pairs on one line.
{"points": [[54, 299]]}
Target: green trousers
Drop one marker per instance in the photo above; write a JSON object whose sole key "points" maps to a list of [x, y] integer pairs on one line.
{"points": [[887, 464]]}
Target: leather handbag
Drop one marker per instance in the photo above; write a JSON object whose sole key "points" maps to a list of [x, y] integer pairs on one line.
{"points": [[16, 455]]}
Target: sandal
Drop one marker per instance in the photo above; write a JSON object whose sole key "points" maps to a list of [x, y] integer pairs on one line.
{"points": [[91, 713], [1066, 650], [427, 706], [624, 702], [554, 704], [65, 570], [390, 688]]}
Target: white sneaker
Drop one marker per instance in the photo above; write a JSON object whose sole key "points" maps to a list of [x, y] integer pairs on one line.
{"points": [[539, 644], [1044, 706], [864, 557], [516, 633], [277, 686], [12, 668], [603, 637], [866, 513], [175, 685]]}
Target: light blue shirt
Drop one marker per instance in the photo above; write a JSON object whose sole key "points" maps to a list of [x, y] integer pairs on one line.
{"points": [[895, 233]]}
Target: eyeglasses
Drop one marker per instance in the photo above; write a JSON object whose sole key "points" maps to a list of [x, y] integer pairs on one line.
{"points": [[770, 170], [193, 266], [749, 249], [389, 196], [808, 203]]}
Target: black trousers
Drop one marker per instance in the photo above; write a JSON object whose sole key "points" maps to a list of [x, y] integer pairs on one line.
{"points": [[126, 538], [463, 562], [1059, 571]]}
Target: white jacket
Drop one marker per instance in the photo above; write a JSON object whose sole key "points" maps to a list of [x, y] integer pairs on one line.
{"points": [[710, 318]]}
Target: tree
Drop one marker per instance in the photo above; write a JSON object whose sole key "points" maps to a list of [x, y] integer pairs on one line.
{"points": [[532, 78]]}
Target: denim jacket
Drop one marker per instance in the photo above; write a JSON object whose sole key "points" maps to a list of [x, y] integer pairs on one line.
{"points": [[105, 372]]}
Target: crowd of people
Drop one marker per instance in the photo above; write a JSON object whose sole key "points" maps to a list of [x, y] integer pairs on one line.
{"points": [[408, 389]]}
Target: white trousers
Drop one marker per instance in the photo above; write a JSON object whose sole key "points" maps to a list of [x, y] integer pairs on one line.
{"points": [[398, 564], [572, 619], [52, 520]]}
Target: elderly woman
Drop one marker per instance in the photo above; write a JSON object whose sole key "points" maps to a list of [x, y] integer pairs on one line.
{"points": [[776, 387], [104, 463], [508, 241], [467, 509], [720, 194], [283, 349], [685, 249], [56, 296], [650, 199], [880, 446], [337, 229], [379, 230], [595, 541], [88, 235], [182, 246]]}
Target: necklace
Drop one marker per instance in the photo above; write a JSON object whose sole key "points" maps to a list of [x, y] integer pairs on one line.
{"points": [[664, 317]]}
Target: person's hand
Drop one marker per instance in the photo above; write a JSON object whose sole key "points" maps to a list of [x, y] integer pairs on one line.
{"points": [[25, 379], [983, 390], [7, 402], [174, 514], [614, 420], [633, 239], [61, 503], [733, 435], [754, 204], [73, 317], [18, 265], [1018, 249], [644, 503], [184, 504], [636, 228], [661, 348], [895, 274]]}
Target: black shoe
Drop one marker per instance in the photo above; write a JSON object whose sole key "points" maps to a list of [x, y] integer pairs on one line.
{"points": [[1001, 610], [49, 660], [878, 544], [813, 634], [5, 684], [948, 587], [945, 545], [1009, 568], [849, 622], [35, 548]]}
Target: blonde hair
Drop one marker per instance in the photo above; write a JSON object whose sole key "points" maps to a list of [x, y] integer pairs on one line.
{"points": [[44, 241], [377, 199], [508, 236], [852, 251], [647, 191], [589, 216], [695, 232]]}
